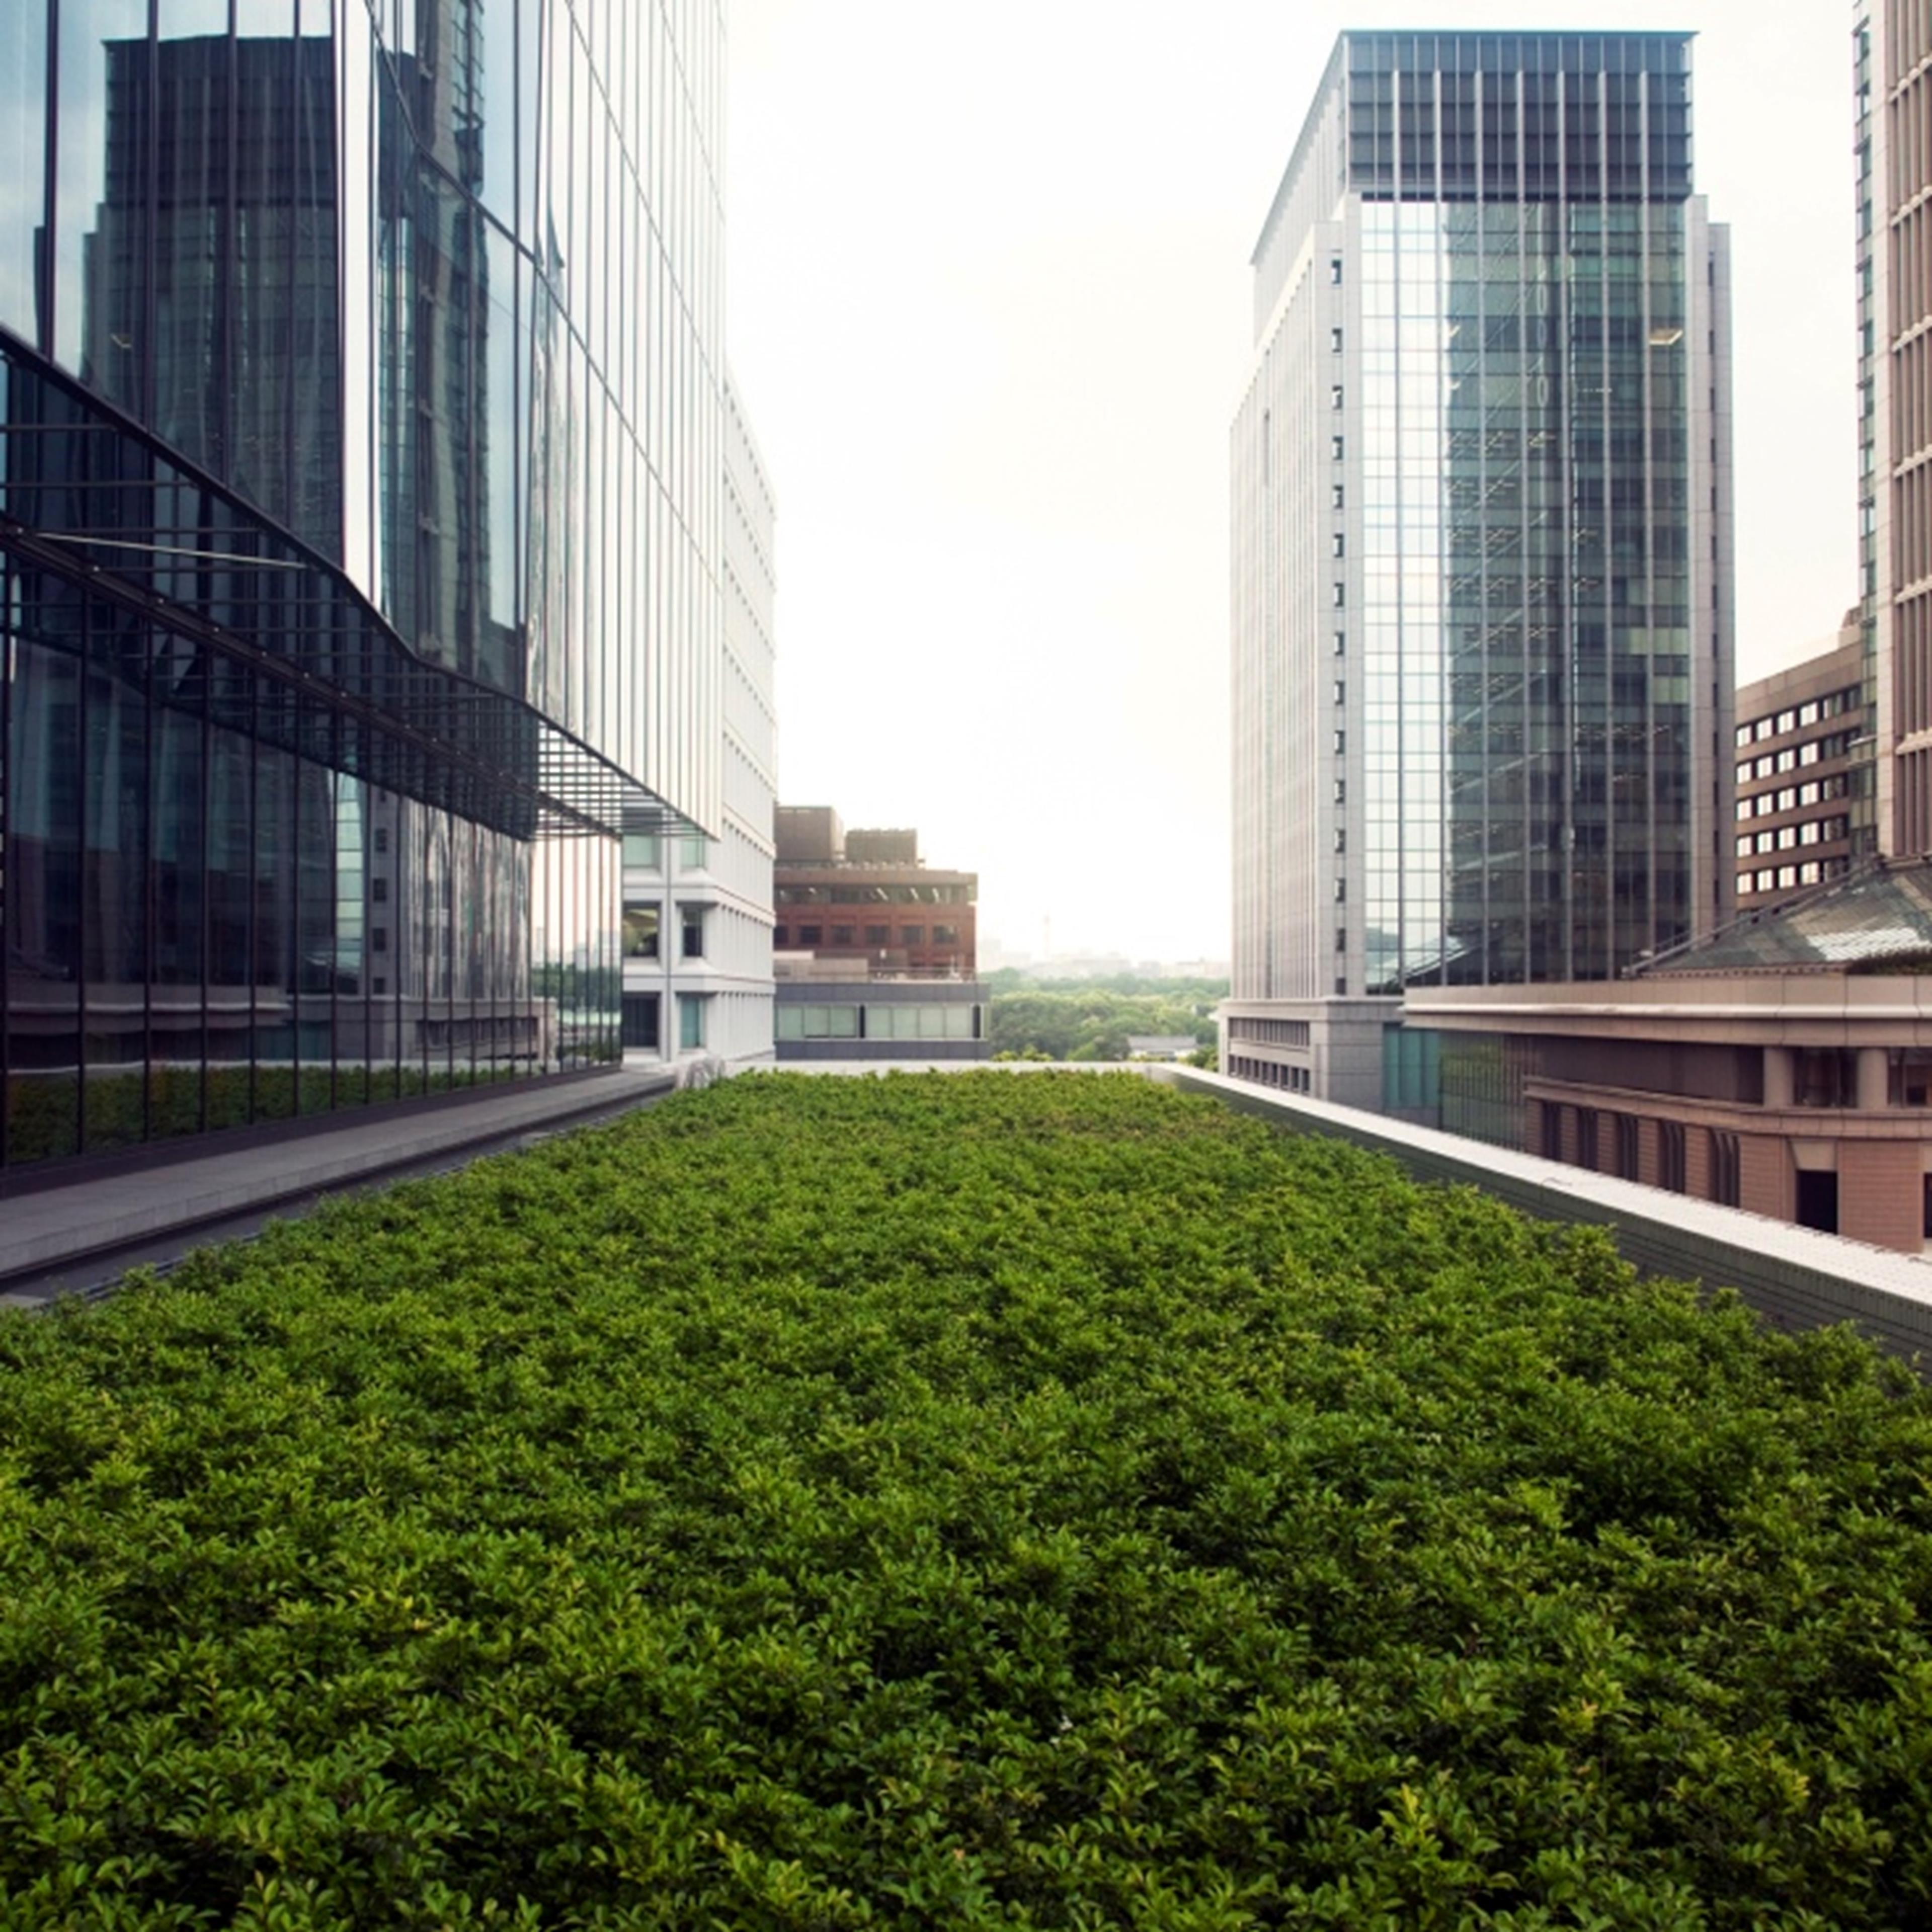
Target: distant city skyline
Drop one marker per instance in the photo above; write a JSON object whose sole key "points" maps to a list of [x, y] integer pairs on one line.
{"points": [[993, 316]]}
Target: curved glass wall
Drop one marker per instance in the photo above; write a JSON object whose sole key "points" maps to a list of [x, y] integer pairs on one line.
{"points": [[435, 290]]}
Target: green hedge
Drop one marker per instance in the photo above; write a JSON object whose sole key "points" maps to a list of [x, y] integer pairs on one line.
{"points": [[1016, 1500]]}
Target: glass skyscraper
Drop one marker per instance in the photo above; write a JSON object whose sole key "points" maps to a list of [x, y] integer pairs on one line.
{"points": [[361, 541], [1481, 502]]}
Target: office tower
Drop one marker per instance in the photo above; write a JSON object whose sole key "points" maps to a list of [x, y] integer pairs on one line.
{"points": [[1892, 40], [362, 541], [697, 911], [1481, 542]]}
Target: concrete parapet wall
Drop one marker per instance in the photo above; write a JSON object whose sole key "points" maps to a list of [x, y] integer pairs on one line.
{"points": [[1792, 1276]]}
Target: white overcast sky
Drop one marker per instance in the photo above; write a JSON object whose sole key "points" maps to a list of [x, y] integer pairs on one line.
{"points": [[989, 311]]}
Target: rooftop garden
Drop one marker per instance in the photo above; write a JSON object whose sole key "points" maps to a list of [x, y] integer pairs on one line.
{"points": [[1034, 1500]]}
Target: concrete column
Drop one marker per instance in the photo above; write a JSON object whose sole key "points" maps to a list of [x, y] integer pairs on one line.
{"points": [[1780, 1077], [1874, 1078]]}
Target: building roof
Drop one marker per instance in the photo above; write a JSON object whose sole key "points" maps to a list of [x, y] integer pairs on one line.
{"points": [[1877, 920]]}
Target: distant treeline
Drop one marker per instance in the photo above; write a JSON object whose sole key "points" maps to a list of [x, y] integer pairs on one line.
{"points": [[1092, 1019]]}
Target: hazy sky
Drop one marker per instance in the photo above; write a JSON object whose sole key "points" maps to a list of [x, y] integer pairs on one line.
{"points": [[989, 311]]}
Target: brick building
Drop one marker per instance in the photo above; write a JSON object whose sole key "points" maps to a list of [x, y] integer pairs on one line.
{"points": [[875, 953], [1798, 733], [1784, 1066]]}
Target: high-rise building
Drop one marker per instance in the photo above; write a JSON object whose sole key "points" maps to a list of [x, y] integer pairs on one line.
{"points": [[1892, 45], [697, 911], [1481, 545], [363, 543]]}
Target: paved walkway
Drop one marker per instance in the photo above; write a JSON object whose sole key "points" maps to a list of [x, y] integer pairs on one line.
{"points": [[82, 1233]]}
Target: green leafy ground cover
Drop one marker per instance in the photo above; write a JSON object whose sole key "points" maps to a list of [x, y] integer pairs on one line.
{"points": [[1034, 1501]]}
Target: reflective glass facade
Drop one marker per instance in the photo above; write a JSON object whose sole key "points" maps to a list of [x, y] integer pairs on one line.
{"points": [[361, 419], [1481, 526]]}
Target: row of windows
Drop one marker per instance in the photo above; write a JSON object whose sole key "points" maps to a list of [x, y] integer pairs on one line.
{"points": [[1784, 878], [1275, 1033], [1790, 798], [901, 894], [806, 936], [1576, 1135], [642, 1025], [1795, 718], [1812, 832], [1834, 745], [1271, 1073], [956, 1020]]}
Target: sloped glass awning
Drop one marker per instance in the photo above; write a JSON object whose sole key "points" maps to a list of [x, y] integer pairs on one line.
{"points": [[1878, 920], [236, 616]]}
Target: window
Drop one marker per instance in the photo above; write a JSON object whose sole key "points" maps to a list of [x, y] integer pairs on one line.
{"points": [[781, 936], [691, 1020], [1553, 1131], [694, 851], [878, 935], [379, 939], [1341, 595], [1743, 851], [1629, 1143], [1808, 755], [1825, 1077], [1909, 1077], [1338, 497], [912, 935], [381, 838], [1341, 691], [1808, 714], [1341, 643], [691, 921], [1787, 721], [1335, 395], [946, 935], [1787, 799], [844, 935], [1341, 544], [640, 932], [1724, 1165], [812, 935], [1334, 271], [1744, 734], [1335, 447], [379, 891], [1670, 1155], [817, 1022], [642, 848], [1586, 1137], [640, 1020], [1335, 341]]}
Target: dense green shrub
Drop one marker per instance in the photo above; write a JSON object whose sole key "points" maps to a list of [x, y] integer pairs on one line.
{"points": [[1019, 1500]]}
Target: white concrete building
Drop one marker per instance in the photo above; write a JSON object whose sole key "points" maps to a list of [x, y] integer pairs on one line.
{"points": [[698, 912]]}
